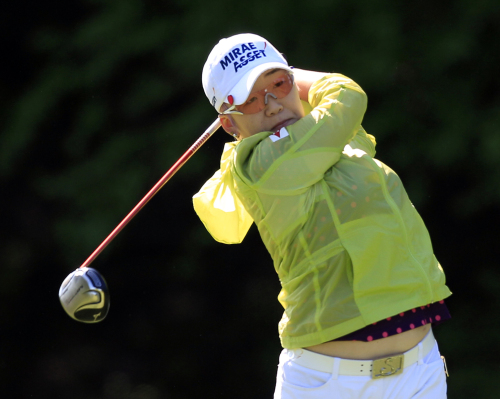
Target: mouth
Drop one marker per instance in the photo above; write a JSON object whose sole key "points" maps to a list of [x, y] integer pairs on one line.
{"points": [[284, 123]]}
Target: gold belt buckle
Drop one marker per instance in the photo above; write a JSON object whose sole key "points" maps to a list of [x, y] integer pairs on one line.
{"points": [[387, 366]]}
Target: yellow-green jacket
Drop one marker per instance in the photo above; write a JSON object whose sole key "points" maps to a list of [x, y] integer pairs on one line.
{"points": [[348, 246]]}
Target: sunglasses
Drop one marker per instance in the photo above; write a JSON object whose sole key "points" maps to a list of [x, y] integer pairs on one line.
{"points": [[279, 88]]}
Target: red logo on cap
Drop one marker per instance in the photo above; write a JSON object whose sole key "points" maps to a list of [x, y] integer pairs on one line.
{"points": [[230, 99]]}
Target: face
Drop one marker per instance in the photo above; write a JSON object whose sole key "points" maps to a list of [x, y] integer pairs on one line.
{"points": [[277, 113]]}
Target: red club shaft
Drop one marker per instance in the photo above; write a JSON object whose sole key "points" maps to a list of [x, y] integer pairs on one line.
{"points": [[166, 177]]}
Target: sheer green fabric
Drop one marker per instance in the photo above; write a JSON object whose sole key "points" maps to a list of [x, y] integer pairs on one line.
{"points": [[219, 208], [348, 246]]}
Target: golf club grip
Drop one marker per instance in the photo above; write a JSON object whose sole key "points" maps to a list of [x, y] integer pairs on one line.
{"points": [[166, 177]]}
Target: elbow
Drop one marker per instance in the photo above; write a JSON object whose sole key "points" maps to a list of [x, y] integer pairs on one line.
{"points": [[364, 101], [358, 102], [360, 99]]}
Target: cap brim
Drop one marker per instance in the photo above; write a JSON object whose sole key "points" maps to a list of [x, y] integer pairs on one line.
{"points": [[242, 89]]}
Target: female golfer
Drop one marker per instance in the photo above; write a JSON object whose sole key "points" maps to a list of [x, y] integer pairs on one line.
{"points": [[361, 286]]}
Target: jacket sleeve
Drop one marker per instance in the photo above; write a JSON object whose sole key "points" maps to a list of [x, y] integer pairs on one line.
{"points": [[363, 141], [314, 144]]}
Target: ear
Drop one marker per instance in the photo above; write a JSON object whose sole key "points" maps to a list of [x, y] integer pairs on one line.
{"points": [[228, 124]]}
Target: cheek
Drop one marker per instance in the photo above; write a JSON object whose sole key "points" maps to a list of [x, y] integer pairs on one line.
{"points": [[294, 104], [251, 125], [300, 110], [296, 108]]}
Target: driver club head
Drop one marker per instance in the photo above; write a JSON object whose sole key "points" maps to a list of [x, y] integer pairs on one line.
{"points": [[84, 295]]}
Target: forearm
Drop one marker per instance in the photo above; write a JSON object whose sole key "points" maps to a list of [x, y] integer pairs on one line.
{"points": [[304, 79], [315, 142]]}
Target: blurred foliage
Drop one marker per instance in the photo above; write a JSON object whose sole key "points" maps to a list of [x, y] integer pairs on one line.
{"points": [[101, 97]]}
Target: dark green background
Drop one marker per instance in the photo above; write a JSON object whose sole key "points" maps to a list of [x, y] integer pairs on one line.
{"points": [[99, 98]]}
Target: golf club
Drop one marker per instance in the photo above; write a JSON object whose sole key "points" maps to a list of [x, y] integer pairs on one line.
{"points": [[84, 294]]}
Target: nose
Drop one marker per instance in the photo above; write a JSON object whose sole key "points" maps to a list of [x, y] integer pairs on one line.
{"points": [[266, 98], [272, 105]]}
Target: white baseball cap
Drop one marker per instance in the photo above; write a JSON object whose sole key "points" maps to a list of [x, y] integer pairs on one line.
{"points": [[234, 65]]}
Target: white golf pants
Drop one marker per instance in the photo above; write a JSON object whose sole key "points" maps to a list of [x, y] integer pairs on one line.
{"points": [[425, 378]]}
